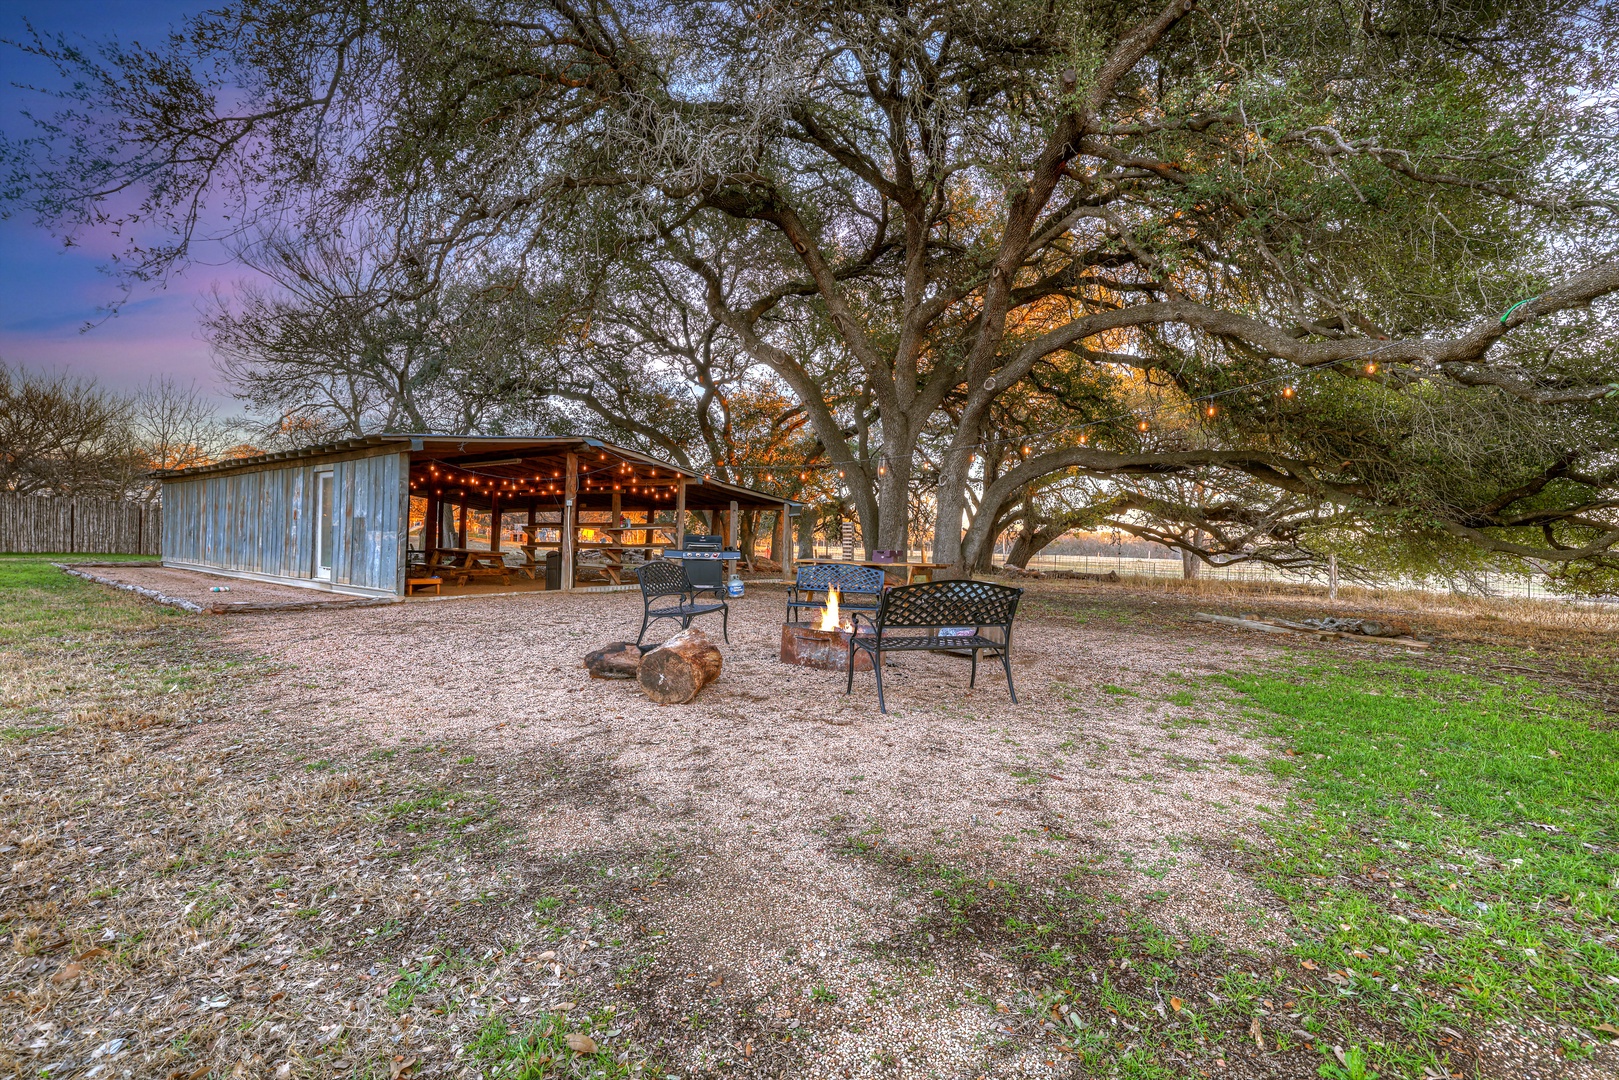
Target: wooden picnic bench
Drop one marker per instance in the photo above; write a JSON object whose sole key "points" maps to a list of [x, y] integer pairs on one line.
{"points": [[462, 565]]}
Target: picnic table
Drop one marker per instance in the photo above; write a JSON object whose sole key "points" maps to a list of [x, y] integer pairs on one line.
{"points": [[914, 571], [612, 550], [463, 564]]}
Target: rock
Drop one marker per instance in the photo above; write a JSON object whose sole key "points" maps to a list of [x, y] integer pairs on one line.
{"points": [[619, 660]]}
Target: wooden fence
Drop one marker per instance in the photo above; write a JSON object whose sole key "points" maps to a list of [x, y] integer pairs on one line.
{"points": [[39, 523]]}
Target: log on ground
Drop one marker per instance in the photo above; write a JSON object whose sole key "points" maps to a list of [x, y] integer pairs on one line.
{"points": [[673, 673], [619, 660]]}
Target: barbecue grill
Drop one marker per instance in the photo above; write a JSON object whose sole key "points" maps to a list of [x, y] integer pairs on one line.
{"points": [[706, 560]]}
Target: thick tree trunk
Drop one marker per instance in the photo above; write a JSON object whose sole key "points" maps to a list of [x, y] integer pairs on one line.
{"points": [[748, 521], [673, 673], [893, 505], [807, 518], [952, 504]]}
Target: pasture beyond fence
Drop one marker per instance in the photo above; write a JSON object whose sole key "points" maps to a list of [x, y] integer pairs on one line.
{"points": [[80, 525]]}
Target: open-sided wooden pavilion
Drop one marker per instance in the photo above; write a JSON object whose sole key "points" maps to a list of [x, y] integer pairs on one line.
{"points": [[352, 516]]}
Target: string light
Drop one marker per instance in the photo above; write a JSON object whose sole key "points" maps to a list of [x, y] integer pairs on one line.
{"points": [[1209, 411], [1288, 391], [1143, 426], [1371, 369]]}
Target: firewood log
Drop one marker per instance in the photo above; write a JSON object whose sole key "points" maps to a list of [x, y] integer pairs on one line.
{"points": [[673, 673], [620, 660]]}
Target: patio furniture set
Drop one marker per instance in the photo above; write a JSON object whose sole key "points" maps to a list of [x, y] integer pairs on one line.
{"points": [[965, 619]]}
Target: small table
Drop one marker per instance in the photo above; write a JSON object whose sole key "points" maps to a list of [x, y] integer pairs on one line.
{"points": [[914, 571]]}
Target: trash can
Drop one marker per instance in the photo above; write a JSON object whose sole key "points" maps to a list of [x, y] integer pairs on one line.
{"points": [[553, 570]]}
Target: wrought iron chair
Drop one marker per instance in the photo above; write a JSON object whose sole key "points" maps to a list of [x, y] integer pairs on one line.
{"points": [[954, 616], [848, 579], [663, 579]]}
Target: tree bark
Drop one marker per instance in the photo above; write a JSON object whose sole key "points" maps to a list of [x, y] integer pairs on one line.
{"points": [[806, 532], [620, 660], [673, 673]]}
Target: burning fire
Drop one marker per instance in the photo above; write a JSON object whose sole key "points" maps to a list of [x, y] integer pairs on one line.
{"points": [[829, 614]]}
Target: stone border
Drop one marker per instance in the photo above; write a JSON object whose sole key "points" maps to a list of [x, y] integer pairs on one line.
{"points": [[242, 608]]}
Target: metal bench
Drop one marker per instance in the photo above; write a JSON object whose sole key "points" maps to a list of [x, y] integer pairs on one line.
{"points": [[847, 579], [938, 616], [662, 580]]}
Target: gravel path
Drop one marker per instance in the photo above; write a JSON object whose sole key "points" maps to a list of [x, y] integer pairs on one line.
{"points": [[764, 780]]}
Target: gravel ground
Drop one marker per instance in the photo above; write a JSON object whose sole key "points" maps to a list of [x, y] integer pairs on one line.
{"points": [[770, 771]]}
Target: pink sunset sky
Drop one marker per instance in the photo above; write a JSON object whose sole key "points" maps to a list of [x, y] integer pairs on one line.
{"points": [[54, 299]]}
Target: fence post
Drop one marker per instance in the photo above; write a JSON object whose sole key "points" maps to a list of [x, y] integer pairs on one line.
{"points": [[1332, 577]]}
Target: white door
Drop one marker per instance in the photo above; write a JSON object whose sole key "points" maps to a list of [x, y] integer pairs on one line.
{"points": [[323, 526]]}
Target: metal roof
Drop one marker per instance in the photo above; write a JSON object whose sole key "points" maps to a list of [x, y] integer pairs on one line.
{"points": [[427, 442]]}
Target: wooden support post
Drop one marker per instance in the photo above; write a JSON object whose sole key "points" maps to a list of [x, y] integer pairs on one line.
{"points": [[570, 519], [680, 512], [733, 532], [461, 524], [430, 525], [784, 542], [618, 510], [494, 522]]}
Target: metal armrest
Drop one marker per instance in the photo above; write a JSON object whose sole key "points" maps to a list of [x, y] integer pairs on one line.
{"points": [[856, 616]]}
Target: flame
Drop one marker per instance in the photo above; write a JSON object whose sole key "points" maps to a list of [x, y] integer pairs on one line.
{"points": [[829, 614]]}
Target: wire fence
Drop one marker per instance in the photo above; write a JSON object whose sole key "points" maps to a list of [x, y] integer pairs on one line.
{"points": [[1503, 586]]}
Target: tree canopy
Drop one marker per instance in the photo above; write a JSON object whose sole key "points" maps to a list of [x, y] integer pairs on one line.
{"points": [[1261, 281]]}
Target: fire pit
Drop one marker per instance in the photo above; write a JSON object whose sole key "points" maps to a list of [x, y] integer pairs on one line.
{"points": [[824, 646]]}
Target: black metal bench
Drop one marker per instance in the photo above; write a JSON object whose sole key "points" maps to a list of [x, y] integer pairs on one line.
{"points": [[939, 616], [661, 580], [847, 578]]}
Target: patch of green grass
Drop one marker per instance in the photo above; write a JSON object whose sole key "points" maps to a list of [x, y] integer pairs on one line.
{"points": [[18, 734], [541, 1051], [1119, 691], [1454, 838], [1183, 698], [412, 983], [38, 601], [822, 996]]}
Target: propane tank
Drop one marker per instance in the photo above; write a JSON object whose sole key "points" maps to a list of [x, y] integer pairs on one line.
{"points": [[733, 588]]}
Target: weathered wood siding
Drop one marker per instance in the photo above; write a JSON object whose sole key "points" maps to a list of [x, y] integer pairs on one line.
{"points": [[39, 523], [261, 521]]}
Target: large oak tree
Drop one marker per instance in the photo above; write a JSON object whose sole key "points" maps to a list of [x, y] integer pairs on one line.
{"points": [[1360, 255]]}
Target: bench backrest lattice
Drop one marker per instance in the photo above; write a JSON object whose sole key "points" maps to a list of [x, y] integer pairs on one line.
{"points": [[818, 577], [663, 578], [935, 604]]}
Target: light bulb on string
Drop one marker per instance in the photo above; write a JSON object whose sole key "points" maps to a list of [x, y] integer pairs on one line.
{"points": [[1209, 410], [1143, 426], [1288, 391], [1371, 369], [1083, 439]]}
